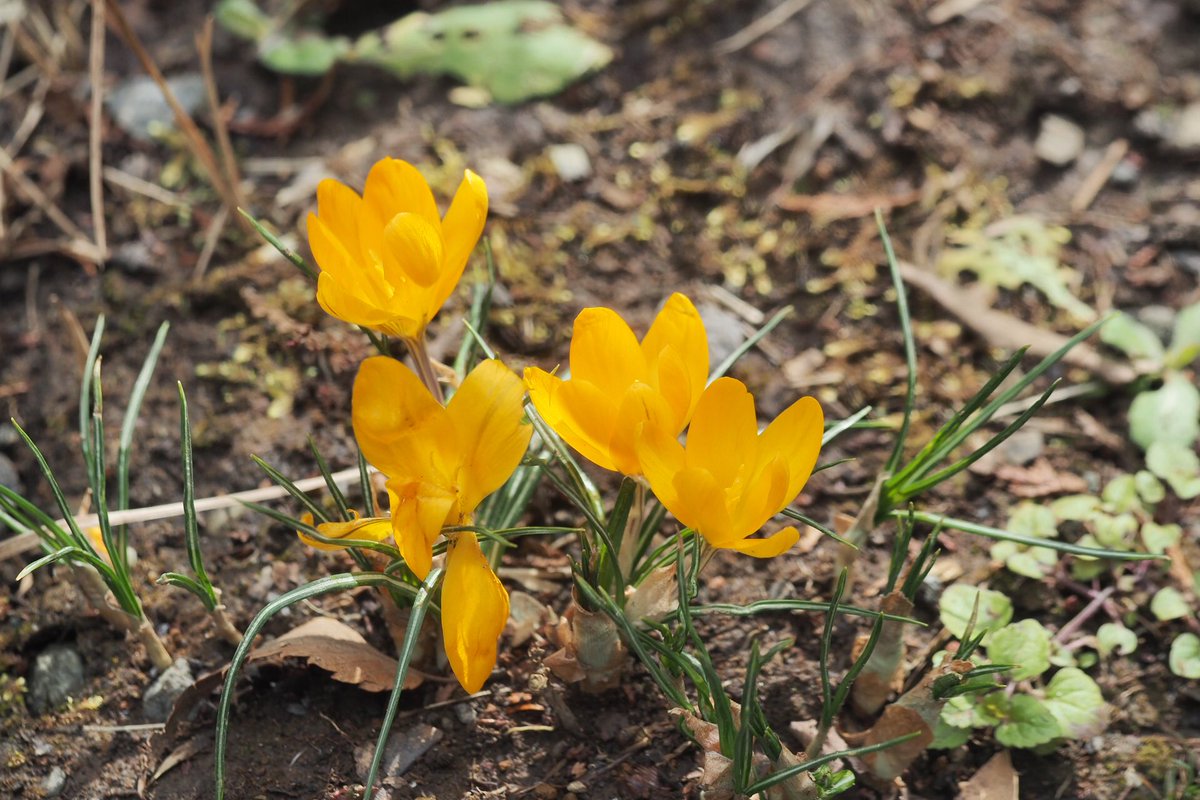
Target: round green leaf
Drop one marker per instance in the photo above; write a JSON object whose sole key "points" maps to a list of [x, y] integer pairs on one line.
{"points": [[1033, 519], [1149, 487], [1178, 465], [1028, 723], [1168, 414], [1115, 637], [1131, 337], [1075, 507], [1185, 341], [1168, 603], [1121, 494], [957, 602], [1158, 538], [947, 736], [1185, 656], [1076, 703], [1025, 645]]}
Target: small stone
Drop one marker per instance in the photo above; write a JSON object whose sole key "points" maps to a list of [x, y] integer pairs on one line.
{"points": [[139, 108], [53, 785], [1059, 140], [544, 791], [57, 675], [466, 714], [1160, 319], [1022, 447], [725, 331], [570, 161], [1185, 134], [576, 787], [9, 478], [161, 695], [1125, 175], [403, 749]]}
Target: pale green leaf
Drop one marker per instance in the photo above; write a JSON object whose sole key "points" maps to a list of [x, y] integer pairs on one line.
{"points": [[1131, 337], [1114, 637], [1185, 339], [1075, 702], [1158, 538], [1184, 660], [947, 736], [1169, 603], [956, 603], [1170, 413], [1029, 565], [1121, 494], [1177, 465], [1028, 723], [1149, 487], [1025, 645], [1033, 519], [1075, 507], [1114, 532]]}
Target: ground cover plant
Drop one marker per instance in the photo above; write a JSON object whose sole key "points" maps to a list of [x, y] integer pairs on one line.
{"points": [[597, 446]]}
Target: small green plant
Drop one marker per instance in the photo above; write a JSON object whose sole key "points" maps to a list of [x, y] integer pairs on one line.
{"points": [[1031, 711]]}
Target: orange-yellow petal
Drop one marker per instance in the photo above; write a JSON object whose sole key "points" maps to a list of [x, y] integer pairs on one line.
{"points": [[412, 253], [486, 414], [348, 305], [461, 228], [578, 412], [333, 255], [419, 512], [661, 458], [679, 328], [605, 353], [776, 544], [723, 437], [339, 207], [374, 529], [640, 405], [402, 430], [394, 187], [795, 437], [702, 506], [474, 611]]}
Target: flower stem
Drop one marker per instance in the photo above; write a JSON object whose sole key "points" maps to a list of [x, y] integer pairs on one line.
{"points": [[424, 368]]}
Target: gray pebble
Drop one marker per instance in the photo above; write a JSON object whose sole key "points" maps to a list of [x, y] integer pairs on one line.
{"points": [[139, 108], [57, 675], [53, 785], [161, 695]]}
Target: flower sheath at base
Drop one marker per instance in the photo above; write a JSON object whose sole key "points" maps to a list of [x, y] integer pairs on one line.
{"points": [[617, 384], [388, 260], [730, 480], [441, 462]]}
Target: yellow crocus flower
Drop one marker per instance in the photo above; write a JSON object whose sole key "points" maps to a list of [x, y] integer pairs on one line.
{"points": [[617, 384], [388, 260], [729, 479], [441, 462]]}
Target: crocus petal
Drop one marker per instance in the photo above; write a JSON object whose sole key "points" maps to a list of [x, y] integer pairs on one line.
{"points": [[474, 612], [400, 427], [339, 207], [763, 496], [412, 251], [394, 187], [461, 229], [334, 257], [661, 457], [723, 436], [769, 547], [679, 328], [578, 412], [605, 353], [348, 305], [419, 512], [486, 413], [374, 529], [795, 436], [702, 506], [640, 405]]}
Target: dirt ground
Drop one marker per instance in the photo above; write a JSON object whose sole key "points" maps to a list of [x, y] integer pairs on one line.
{"points": [[743, 173]]}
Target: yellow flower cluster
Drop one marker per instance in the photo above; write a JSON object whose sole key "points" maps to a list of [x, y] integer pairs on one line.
{"points": [[626, 404], [388, 262]]}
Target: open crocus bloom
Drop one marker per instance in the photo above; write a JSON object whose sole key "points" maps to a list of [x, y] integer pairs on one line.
{"points": [[617, 385], [730, 480], [440, 463], [388, 260]]}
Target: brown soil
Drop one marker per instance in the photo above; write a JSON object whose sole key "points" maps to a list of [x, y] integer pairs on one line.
{"points": [[908, 100]]}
